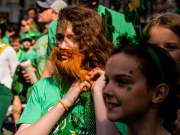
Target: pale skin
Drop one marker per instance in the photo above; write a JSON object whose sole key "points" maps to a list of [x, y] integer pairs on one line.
{"points": [[16, 108], [48, 69], [16, 45], [47, 16], [25, 27], [166, 39], [137, 106], [103, 125]]}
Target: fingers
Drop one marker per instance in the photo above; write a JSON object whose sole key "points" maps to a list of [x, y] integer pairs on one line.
{"points": [[85, 86], [82, 86], [96, 73], [98, 78], [76, 88], [26, 76]]}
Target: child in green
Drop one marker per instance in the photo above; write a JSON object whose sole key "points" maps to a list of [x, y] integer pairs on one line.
{"points": [[21, 89], [15, 42], [20, 86]]}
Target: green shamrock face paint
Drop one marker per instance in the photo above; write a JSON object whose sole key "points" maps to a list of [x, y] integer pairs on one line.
{"points": [[129, 88]]}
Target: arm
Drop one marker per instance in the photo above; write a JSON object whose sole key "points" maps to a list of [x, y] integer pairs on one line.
{"points": [[16, 108], [48, 121], [48, 69], [103, 125]]}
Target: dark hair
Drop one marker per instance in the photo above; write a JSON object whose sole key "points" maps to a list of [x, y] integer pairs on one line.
{"points": [[88, 3], [13, 38], [32, 8], [3, 27], [87, 27], [151, 59]]}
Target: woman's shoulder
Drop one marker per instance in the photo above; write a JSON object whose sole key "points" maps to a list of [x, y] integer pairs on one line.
{"points": [[45, 86], [45, 82]]}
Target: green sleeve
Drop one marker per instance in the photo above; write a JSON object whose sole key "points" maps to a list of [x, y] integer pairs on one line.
{"points": [[41, 49], [51, 37], [32, 111], [122, 128], [115, 24]]}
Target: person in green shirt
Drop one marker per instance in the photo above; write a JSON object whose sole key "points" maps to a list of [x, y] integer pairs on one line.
{"points": [[20, 88], [48, 11], [66, 103]]}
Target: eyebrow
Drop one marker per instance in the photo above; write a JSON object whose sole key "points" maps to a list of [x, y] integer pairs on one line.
{"points": [[120, 76]]}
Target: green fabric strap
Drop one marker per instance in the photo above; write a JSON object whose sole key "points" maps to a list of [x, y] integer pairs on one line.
{"points": [[87, 102], [157, 61]]}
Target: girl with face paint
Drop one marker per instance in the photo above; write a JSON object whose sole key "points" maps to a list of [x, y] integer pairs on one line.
{"points": [[141, 89]]}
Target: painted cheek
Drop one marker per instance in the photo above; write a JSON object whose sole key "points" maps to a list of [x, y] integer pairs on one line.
{"points": [[129, 88]]}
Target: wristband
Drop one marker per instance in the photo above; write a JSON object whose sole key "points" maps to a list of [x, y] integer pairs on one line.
{"points": [[65, 107]]}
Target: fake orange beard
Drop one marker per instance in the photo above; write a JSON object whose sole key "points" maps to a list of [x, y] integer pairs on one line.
{"points": [[70, 69]]}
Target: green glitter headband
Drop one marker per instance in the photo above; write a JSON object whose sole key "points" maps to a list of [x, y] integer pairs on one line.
{"points": [[157, 61]]}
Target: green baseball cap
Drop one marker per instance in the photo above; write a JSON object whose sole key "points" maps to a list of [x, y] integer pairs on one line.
{"points": [[26, 36]]}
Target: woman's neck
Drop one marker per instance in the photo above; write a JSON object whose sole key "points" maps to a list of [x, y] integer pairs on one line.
{"points": [[147, 129], [148, 124]]}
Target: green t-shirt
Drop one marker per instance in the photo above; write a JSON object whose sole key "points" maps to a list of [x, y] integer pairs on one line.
{"points": [[31, 55], [51, 37], [44, 96], [114, 22], [5, 39], [46, 93], [19, 85], [20, 55], [41, 49]]}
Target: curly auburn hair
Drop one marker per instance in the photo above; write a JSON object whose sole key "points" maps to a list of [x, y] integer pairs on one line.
{"points": [[87, 27]]}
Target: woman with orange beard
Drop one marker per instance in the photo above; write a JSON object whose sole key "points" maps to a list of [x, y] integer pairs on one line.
{"points": [[63, 104]]}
